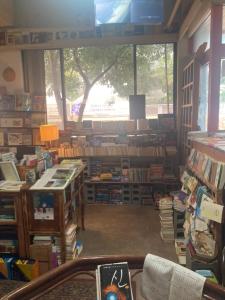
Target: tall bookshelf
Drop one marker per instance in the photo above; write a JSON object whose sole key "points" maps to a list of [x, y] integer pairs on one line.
{"points": [[206, 163]]}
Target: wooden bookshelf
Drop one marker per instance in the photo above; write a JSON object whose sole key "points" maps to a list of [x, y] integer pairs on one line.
{"points": [[12, 229], [67, 209], [214, 190], [140, 154], [20, 118]]}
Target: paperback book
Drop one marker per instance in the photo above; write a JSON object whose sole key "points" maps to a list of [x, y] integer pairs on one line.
{"points": [[113, 282]]}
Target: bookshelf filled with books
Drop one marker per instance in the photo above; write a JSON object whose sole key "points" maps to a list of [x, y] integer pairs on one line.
{"points": [[11, 223], [55, 210], [20, 118], [203, 184], [126, 169]]}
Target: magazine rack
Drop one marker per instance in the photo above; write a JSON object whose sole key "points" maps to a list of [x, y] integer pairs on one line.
{"points": [[49, 281]]}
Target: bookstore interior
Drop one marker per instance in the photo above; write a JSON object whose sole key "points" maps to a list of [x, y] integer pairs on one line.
{"points": [[112, 149]]}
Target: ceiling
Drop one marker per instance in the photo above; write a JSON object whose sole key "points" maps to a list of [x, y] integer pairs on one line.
{"points": [[27, 13]]}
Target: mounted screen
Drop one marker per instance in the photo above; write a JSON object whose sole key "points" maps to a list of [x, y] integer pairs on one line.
{"points": [[129, 11]]}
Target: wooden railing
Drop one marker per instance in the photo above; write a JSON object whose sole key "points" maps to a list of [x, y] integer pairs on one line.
{"points": [[45, 283]]}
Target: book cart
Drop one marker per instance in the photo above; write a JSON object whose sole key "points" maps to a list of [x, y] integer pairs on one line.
{"points": [[51, 213], [208, 168], [12, 231]]}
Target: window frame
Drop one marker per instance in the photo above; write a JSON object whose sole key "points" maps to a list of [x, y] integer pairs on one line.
{"points": [[61, 53]]}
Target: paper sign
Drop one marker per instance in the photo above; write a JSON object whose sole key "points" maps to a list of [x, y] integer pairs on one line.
{"points": [[212, 211]]}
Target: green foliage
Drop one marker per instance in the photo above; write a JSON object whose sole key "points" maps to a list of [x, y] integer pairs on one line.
{"points": [[222, 90], [94, 60]]}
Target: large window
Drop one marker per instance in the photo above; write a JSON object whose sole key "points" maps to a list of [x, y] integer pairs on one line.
{"points": [[53, 88], [203, 98], [222, 97], [99, 80], [223, 33], [155, 78]]}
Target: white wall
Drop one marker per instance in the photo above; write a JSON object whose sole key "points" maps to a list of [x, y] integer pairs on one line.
{"points": [[12, 59]]}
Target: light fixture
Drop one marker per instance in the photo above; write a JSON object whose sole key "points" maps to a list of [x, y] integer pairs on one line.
{"points": [[49, 133]]}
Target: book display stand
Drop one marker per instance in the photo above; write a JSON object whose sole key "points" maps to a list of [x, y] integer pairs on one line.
{"points": [[54, 206], [204, 182]]}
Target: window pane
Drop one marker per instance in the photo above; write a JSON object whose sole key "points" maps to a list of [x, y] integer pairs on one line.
{"points": [[223, 34], [203, 98], [222, 97], [202, 35], [101, 77], [155, 78], [53, 88]]}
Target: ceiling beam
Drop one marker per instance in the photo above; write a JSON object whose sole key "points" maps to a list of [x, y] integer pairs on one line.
{"points": [[196, 7], [173, 14], [103, 42]]}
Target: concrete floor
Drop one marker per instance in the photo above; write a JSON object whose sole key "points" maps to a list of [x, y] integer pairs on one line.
{"points": [[123, 230]]}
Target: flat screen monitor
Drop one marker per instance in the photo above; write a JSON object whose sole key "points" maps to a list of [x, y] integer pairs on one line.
{"points": [[129, 11]]}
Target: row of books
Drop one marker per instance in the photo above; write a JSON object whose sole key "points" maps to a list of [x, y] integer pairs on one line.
{"points": [[22, 102], [65, 151], [108, 194], [33, 120], [20, 136], [212, 171], [214, 140], [73, 247], [7, 209], [166, 219], [143, 175], [8, 246]]}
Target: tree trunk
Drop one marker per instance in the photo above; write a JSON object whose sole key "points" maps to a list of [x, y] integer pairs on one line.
{"points": [[83, 103], [56, 84], [166, 77]]}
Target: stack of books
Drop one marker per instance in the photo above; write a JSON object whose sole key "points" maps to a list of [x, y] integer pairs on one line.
{"points": [[156, 171], [70, 241], [7, 209], [8, 246], [179, 201], [166, 218], [180, 247]]}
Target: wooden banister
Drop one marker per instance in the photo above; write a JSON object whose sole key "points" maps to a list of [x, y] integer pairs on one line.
{"points": [[46, 282]]}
